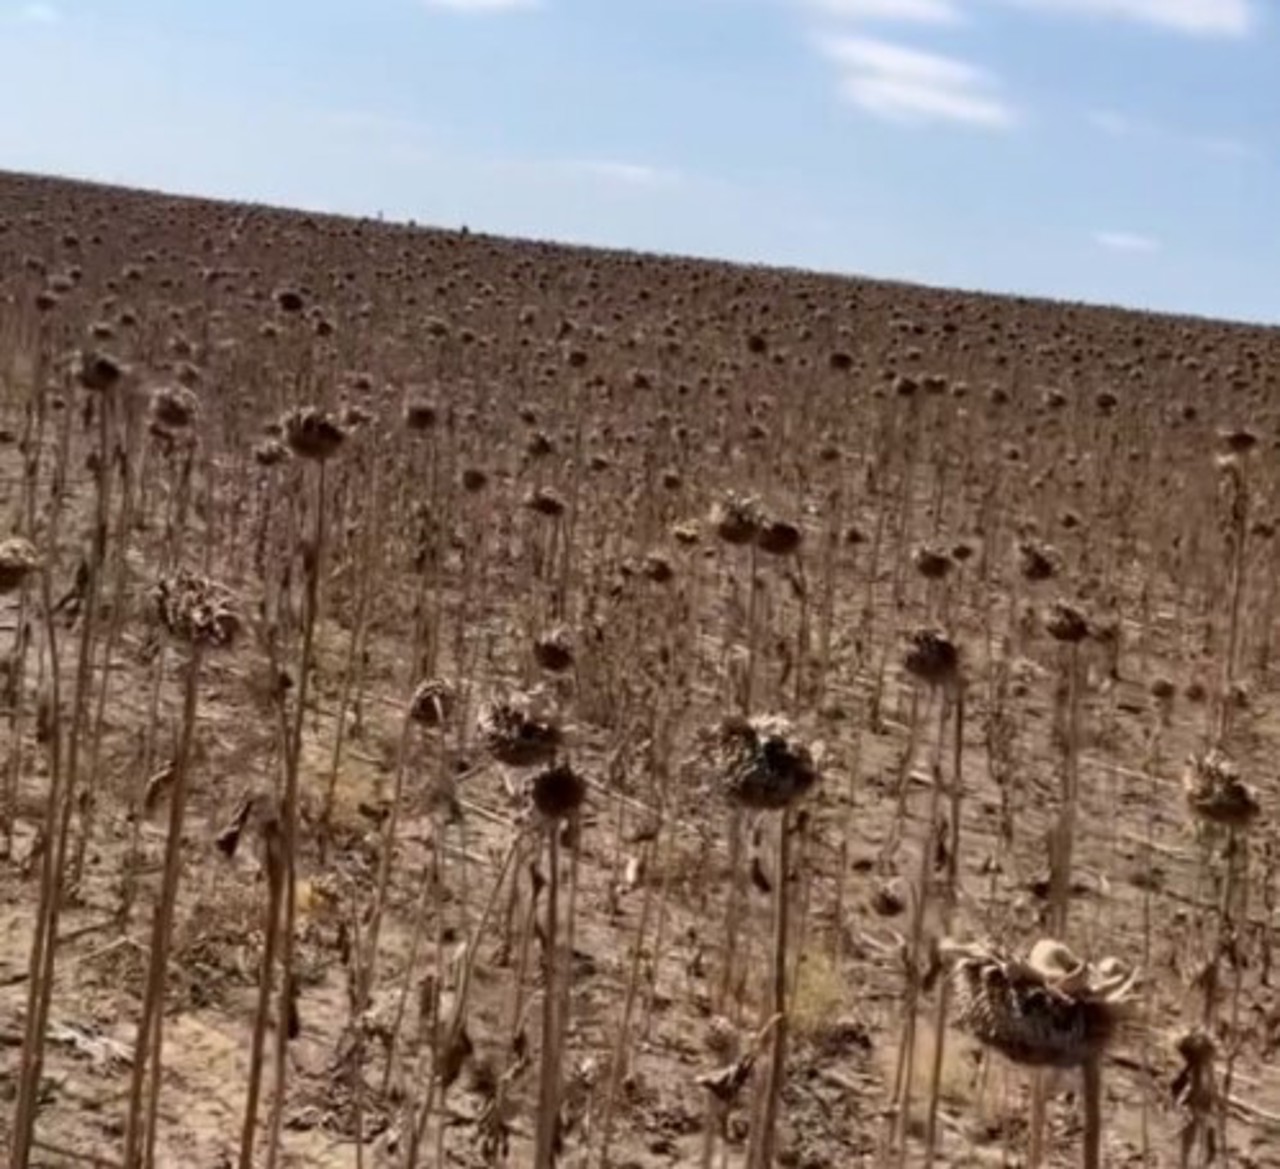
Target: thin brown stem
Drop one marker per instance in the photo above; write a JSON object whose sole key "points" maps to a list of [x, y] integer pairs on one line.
{"points": [[275, 890], [778, 1051], [549, 1090], [314, 559], [1091, 1089], [140, 1129]]}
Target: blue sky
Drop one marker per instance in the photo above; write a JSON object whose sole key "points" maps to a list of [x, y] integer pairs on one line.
{"points": [[1122, 151]]}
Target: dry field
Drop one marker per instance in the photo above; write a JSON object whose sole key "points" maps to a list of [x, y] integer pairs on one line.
{"points": [[471, 702]]}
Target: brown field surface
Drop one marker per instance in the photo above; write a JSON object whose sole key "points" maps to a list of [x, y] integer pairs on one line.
{"points": [[495, 703]]}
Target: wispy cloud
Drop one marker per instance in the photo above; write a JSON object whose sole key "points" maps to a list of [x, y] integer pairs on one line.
{"points": [[482, 5], [910, 85], [596, 174], [1126, 241], [902, 11], [38, 13], [1112, 123], [631, 174], [906, 83], [1118, 125], [1195, 17], [1226, 147]]}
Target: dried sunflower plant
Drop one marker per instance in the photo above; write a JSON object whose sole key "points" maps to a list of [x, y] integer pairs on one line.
{"points": [[1047, 1010], [580, 698]]}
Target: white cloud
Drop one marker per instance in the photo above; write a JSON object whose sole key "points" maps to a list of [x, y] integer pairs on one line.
{"points": [[1192, 17], [597, 173], [1227, 147], [905, 84], [905, 11], [482, 5], [1118, 125], [1110, 122], [632, 174], [1126, 241], [1196, 17], [38, 13]]}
